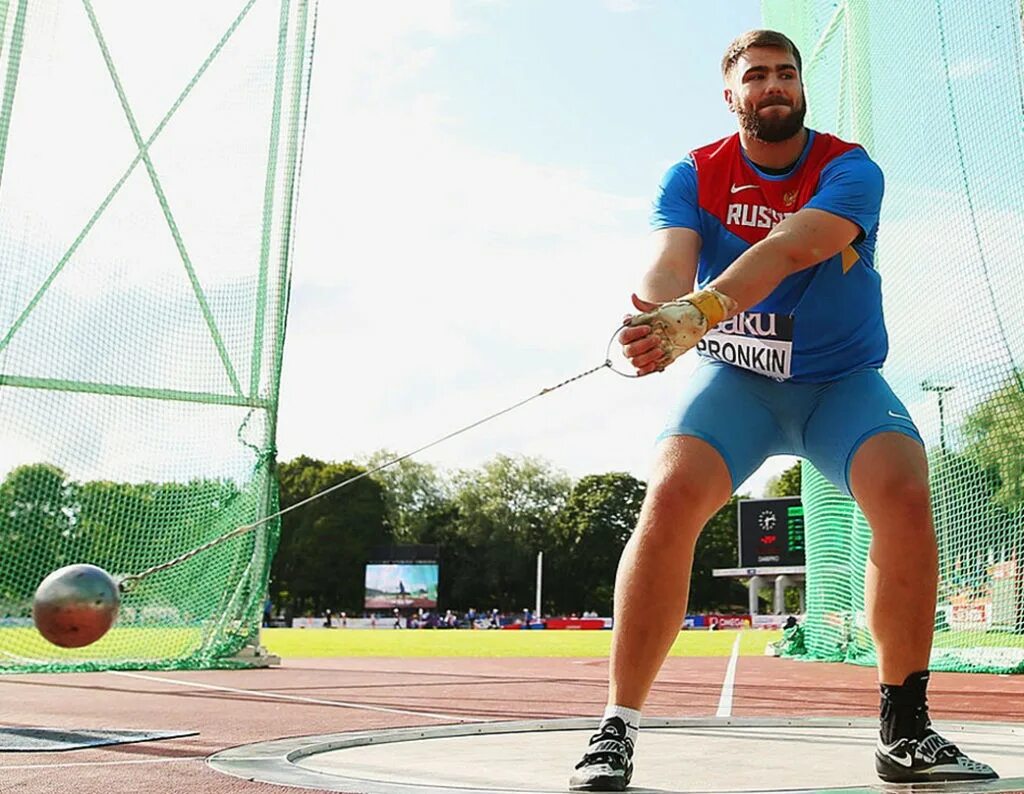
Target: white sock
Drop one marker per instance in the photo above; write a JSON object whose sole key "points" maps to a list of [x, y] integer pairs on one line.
{"points": [[629, 716]]}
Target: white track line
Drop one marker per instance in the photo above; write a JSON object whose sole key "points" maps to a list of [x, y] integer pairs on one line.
{"points": [[105, 763], [725, 700], [297, 698]]}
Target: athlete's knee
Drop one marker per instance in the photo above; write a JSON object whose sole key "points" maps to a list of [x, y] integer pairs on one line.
{"points": [[678, 498], [890, 473], [895, 490], [690, 482]]}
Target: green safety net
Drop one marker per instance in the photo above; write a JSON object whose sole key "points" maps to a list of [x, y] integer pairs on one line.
{"points": [[933, 90], [148, 179]]}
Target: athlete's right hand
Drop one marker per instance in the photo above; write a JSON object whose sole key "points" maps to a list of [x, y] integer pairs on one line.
{"points": [[638, 344]]}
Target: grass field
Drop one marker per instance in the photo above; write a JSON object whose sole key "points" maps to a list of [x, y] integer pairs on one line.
{"points": [[306, 643], [162, 643]]}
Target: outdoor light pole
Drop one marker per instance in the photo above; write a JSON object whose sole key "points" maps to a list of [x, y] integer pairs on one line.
{"points": [[940, 389], [942, 530]]}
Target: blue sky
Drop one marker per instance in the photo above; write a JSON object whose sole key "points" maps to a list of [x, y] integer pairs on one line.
{"points": [[473, 218], [579, 84]]}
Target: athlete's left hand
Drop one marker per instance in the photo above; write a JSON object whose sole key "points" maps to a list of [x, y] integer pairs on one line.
{"points": [[639, 345], [677, 326]]}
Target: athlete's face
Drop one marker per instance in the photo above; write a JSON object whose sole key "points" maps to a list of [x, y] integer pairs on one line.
{"points": [[765, 93]]}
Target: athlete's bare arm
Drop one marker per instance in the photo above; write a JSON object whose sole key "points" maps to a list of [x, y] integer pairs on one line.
{"points": [[802, 240], [674, 267], [671, 274]]}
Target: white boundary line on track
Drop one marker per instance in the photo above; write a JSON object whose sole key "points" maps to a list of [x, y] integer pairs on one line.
{"points": [[725, 699], [297, 698], [104, 763]]}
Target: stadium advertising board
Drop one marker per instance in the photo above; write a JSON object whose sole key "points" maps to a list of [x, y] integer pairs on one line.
{"points": [[404, 585], [771, 532]]}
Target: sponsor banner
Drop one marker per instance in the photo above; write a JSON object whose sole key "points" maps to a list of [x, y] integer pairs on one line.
{"points": [[579, 623], [308, 623], [770, 621], [759, 342], [728, 621], [694, 622], [970, 616]]}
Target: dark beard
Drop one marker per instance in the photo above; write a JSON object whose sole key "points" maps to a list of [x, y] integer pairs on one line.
{"points": [[773, 130]]}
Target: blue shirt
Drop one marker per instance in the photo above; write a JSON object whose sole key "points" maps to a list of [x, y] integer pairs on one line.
{"points": [[819, 324]]}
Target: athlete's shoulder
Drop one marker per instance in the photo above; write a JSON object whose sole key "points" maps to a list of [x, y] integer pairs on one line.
{"points": [[827, 148], [724, 148], [831, 158]]}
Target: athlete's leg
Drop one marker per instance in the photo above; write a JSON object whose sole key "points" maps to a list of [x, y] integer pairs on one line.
{"points": [[690, 483], [889, 480], [861, 433], [861, 437], [722, 430]]}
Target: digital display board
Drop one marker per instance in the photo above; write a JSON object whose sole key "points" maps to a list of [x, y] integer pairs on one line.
{"points": [[771, 532], [401, 585]]}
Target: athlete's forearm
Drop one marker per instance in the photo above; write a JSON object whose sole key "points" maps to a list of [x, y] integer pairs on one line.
{"points": [[755, 274], [660, 284]]}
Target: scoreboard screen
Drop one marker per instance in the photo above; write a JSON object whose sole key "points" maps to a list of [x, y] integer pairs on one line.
{"points": [[771, 532]]}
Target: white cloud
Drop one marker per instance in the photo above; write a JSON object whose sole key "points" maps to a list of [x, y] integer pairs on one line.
{"points": [[623, 6], [970, 67], [437, 282]]}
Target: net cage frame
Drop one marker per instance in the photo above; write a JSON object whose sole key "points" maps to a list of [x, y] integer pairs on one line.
{"points": [[234, 622], [847, 48]]}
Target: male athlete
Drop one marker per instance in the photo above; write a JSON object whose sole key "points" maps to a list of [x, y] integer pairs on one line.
{"points": [[776, 226]]}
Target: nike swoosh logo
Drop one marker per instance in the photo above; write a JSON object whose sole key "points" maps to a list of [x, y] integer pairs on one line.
{"points": [[902, 760], [900, 416], [738, 188]]}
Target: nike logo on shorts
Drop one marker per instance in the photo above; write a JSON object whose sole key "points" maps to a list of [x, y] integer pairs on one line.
{"points": [[899, 416]]}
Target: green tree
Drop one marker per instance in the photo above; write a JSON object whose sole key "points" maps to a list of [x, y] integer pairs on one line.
{"points": [[994, 432], [38, 531], [506, 513], [325, 545], [593, 527], [972, 525], [415, 495], [785, 484]]}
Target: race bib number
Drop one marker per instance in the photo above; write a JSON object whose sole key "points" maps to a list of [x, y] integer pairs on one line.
{"points": [[762, 343]]}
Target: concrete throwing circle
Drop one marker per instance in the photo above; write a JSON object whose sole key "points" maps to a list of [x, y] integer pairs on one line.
{"points": [[727, 754]]}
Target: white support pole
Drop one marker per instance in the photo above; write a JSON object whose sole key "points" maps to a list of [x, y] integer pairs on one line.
{"points": [[752, 588], [540, 576]]}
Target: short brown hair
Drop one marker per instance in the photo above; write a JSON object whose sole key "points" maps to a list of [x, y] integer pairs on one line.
{"points": [[758, 38]]}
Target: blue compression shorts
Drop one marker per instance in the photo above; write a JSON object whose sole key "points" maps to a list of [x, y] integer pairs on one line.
{"points": [[747, 417]]}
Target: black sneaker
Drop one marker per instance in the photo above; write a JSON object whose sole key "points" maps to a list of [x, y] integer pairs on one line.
{"points": [[607, 765], [927, 760]]}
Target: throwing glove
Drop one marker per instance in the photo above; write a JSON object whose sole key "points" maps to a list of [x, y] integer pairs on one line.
{"points": [[679, 324]]}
